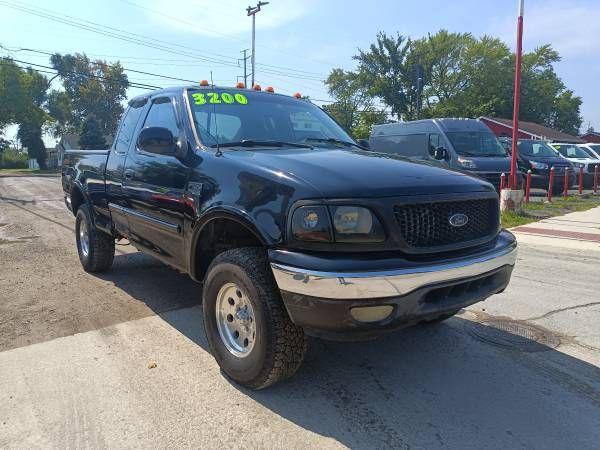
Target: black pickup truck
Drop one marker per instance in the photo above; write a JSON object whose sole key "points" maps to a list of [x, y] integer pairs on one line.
{"points": [[292, 228]]}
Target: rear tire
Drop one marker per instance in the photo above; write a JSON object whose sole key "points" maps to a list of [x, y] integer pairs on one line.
{"points": [[247, 327], [96, 249]]}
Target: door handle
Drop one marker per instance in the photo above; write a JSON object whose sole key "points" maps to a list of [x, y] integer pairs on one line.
{"points": [[129, 174]]}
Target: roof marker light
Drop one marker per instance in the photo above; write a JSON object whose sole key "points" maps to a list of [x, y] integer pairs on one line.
{"points": [[298, 95], [204, 83], [256, 87], [270, 89], [240, 85]]}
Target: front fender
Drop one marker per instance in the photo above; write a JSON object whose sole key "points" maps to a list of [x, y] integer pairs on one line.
{"points": [[229, 213]]}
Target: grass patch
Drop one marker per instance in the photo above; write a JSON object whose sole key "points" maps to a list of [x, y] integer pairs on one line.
{"points": [[535, 211]]}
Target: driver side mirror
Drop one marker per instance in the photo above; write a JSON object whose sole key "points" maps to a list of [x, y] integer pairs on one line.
{"points": [[158, 140], [364, 143], [440, 153]]}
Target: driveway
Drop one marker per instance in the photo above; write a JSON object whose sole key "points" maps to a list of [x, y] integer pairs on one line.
{"points": [[120, 360]]}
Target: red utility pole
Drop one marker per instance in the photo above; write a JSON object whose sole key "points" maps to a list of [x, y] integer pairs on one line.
{"points": [[515, 134]]}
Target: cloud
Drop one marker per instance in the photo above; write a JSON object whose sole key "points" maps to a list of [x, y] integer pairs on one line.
{"points": [[220, 18], [572, 29]]}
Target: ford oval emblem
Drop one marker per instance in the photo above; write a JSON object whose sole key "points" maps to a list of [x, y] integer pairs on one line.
{"points": [[458, 220]]}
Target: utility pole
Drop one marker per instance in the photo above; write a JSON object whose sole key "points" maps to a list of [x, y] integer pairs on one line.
{"points": [[511, 199], [245, 59], [515, 133], [252, 12]]}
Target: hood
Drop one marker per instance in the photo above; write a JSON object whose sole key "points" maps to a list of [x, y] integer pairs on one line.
{"points": [[339, 173], [490, 163], [550, 160]]}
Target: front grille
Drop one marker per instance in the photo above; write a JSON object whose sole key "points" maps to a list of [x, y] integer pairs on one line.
{"points": [[493, 178], [426, 225]]}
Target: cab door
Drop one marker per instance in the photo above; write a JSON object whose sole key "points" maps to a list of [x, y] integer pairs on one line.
{"points": [[155, 186], [115, 166]]}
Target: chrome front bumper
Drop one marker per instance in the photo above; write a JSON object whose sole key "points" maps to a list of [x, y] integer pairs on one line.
{"points": [[389, 283]]}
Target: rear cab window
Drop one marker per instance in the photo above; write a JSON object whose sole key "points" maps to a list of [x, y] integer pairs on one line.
{"points": [[127, 129]]}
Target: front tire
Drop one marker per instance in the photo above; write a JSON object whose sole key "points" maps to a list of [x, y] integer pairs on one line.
{"points": [[247, 327], [96, 249]]}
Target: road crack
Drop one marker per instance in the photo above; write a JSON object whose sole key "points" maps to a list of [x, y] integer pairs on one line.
{"points": [[559, 310]]}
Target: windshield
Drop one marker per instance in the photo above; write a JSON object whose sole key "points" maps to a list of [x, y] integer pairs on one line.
{"points": [[241, 116], [571, 151], [536, 149], [589, 152], [596, 148], [475, 143]]}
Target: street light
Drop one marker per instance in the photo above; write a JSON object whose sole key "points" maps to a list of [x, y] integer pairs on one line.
{"points": [[252, 10]]}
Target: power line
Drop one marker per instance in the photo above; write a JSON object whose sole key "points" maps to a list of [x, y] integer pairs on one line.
{"points": [[98, 77], [228, 36], [125, 69], [138, 39]]}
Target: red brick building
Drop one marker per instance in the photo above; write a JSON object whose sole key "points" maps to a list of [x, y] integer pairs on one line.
{"points": [[529, 130], [592, 136]]}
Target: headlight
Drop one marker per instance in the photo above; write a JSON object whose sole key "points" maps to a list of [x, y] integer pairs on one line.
{"points": [[538, 165], [350, 224], [356, 224], [467, 163], [311, 223]]}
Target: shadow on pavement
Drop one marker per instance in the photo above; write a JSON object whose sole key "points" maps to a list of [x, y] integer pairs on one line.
{"points": [[426, 386]]}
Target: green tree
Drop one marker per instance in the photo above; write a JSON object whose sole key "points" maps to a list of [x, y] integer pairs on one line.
{"points": [[350, 97], [93, 88], [91, 136], [23, 94], [30, 135], [366, 120], [385, 71], [60, 109], [466, 76]]}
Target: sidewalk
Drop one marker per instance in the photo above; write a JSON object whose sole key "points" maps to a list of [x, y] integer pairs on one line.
{"points": [[579, 230]]}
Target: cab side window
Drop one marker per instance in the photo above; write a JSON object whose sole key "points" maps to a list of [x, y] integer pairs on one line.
{"points": [[162, 114], [128, 125]]}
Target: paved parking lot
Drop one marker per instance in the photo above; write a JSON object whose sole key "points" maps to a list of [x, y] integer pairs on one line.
{"points": [[120, 360]]}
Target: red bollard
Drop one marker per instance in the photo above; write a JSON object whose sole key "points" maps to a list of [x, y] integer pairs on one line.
{"points": [[596, 170], [528, 186], [502, 181], [581, 180], [551, 184], [566, 183]]}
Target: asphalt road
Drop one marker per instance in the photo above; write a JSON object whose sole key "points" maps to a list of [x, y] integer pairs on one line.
{"points": [[120, 360]]}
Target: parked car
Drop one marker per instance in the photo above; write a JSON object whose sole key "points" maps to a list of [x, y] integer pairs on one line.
{"points": [[292, 228], [461, 144], [540, 158], [592, 149], [580, 158]]}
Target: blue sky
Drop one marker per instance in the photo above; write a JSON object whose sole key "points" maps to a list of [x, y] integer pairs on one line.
{"points": [[298, 42]]}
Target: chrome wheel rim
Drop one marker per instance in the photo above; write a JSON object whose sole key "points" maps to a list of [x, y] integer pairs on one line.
{"points": [[235, 320], [84, 238]]}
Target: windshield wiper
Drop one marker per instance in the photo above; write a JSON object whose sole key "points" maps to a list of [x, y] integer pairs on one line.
{"points": [[256, 143], [332, 141]]}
